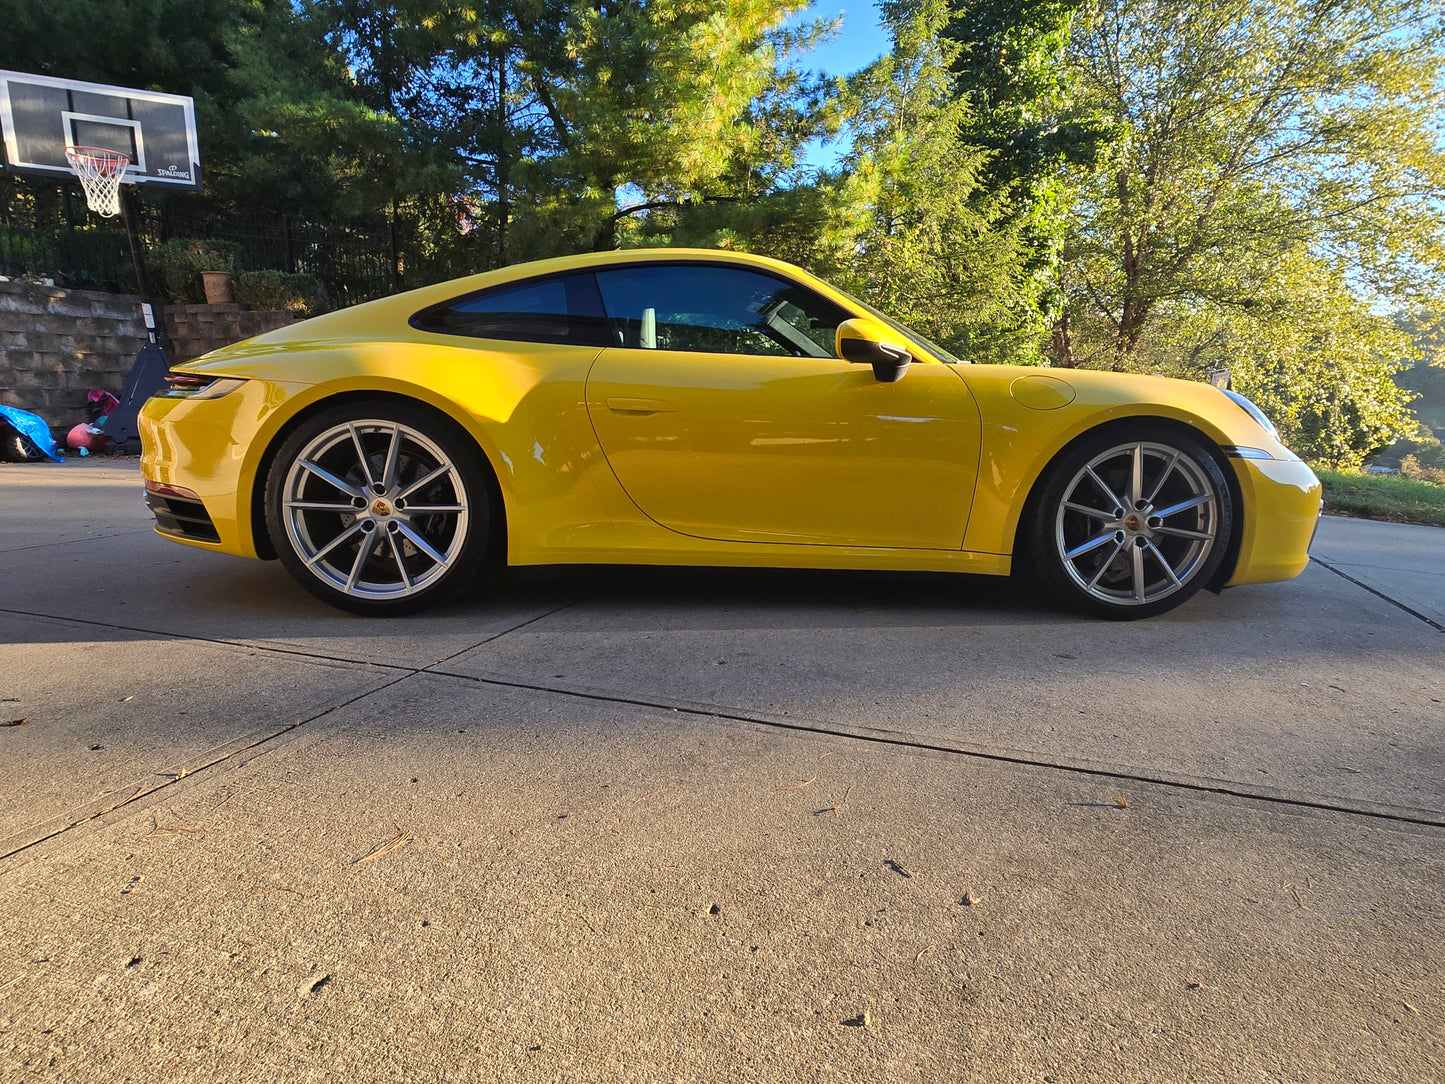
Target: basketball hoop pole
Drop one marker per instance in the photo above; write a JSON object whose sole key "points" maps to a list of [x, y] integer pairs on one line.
{"points": [[126, 199]]}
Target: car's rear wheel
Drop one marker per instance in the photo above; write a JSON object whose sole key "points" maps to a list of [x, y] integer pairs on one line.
{"points": [[1130, 524], [378, 507]]}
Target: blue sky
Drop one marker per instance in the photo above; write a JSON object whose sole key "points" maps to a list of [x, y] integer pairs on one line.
{"points": [[861, 40]]}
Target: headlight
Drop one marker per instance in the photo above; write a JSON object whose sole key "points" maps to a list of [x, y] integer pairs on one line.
{"points": [[1253, 411]]}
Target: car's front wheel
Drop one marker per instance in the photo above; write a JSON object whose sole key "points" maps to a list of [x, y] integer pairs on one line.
{"points": [[1130, 525], [378, 507]]}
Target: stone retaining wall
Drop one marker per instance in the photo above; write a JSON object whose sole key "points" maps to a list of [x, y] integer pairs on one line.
{"points": [[197, 329], [56, 344]]}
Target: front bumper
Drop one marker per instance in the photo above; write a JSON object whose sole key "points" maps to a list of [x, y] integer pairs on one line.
{"points": [[1282, 501]]}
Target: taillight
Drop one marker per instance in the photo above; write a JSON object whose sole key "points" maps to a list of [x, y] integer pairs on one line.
{"points": [[182, 385], [187, 380]]}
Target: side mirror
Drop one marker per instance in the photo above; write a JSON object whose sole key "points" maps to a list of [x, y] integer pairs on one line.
{"points": [[866, 342]]}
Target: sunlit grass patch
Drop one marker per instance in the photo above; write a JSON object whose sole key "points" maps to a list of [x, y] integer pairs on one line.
{"points": [[1390, 497]]}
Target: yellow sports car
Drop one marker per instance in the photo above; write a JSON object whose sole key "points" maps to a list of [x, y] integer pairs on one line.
{"points": [[703, 408]]}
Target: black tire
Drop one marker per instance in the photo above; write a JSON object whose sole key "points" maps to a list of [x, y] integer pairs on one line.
{"points": [[15, 446], [343, 511], [1129, 522]]}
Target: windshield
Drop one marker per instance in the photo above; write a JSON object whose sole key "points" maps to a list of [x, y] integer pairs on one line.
{"points": [[933, 348]]}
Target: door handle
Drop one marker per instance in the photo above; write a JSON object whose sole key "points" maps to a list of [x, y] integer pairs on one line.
{"points": [[624, 405]]}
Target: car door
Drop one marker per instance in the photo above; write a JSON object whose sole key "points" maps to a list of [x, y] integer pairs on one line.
{"points": [[725, 415]]}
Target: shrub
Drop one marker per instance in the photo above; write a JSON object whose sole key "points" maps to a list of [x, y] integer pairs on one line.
{"points": [[302, 294], [81, 258], [1412, 467], [175, 267], [1422, 445]]}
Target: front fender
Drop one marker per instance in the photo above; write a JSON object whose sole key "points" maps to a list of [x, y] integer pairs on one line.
{"points": [[1024, 431]]}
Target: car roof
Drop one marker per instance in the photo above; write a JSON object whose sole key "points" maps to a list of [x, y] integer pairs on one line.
{"points": [[592, 260]]}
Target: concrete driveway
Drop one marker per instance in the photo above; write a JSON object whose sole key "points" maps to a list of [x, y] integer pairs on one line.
{"points": [[629, 824]]}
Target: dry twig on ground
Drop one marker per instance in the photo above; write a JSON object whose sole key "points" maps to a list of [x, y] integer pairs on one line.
{"points": [[400, 839]]}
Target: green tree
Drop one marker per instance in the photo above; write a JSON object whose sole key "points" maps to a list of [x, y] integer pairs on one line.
{"points": [[580, 124], [1009, 66], [1426, 378], [1245, 132], [692, 110], [1318, 361], [911, 226]]}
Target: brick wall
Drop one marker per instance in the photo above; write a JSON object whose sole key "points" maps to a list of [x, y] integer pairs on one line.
{"points": [[196, 329], [57, 344]]}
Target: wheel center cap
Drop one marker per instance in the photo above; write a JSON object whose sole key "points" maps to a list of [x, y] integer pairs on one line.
{"points": [[381, 507], [1133, 523]]}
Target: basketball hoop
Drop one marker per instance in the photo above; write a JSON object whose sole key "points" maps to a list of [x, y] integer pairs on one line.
{"points": [[100, 172]]}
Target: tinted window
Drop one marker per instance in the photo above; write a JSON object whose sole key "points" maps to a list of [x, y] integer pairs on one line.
{"points": [[555, 310], [725, 310]]}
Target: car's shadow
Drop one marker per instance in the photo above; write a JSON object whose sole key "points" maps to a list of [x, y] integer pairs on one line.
{"points": [[906, 596]]}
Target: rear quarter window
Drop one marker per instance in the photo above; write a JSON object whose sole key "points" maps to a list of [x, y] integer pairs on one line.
{"points": [[563, 310]]}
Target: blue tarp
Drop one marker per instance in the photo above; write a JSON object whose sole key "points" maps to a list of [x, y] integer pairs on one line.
{"points": [[32, 426]]}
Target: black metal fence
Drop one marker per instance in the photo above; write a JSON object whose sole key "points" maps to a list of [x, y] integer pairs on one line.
{"points": [[46, 232], [92, 259], [355, 262]]}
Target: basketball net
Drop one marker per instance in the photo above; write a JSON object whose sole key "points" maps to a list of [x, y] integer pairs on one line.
{"points": [[100, 172]]}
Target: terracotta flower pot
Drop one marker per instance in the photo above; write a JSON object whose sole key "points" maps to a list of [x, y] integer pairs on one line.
{"points": [[218, 287]]}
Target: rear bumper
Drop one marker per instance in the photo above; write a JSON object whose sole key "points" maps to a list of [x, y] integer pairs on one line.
{"points": [[179, 515], [208, 447]]}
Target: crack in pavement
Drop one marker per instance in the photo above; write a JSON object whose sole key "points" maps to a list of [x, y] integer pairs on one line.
{"points": [[107, 804], [1437, 626], [74, 541], [1404, 815], [38, 834], [281, 649]]}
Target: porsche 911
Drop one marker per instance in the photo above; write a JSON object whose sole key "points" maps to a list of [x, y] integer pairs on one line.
{"points": [[690, 407]]}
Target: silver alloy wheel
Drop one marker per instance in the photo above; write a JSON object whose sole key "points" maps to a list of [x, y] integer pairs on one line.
{"points": [[375, 509], [1137, 523]]}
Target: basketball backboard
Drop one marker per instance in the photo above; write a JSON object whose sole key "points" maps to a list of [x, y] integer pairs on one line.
{"points": [[40, 116]]}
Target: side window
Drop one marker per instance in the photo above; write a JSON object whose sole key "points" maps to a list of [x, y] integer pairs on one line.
{"points": [[715, 309], [564, 309]]}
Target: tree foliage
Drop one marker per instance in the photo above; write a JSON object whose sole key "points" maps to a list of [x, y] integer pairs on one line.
{"points": [[911, 225], [681, 106], [1159, 185], [1318, 361], [1009, 63], [1247, 132], [1426, 377]]}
